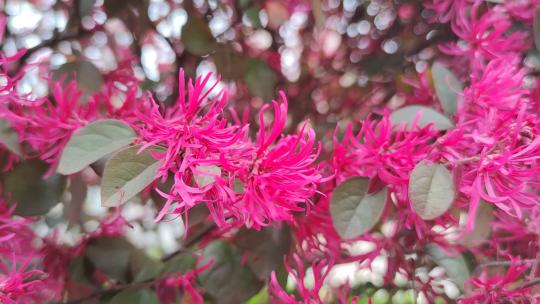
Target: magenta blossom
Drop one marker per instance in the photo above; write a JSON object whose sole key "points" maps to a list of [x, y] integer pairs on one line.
{"points": [[499, 288]]}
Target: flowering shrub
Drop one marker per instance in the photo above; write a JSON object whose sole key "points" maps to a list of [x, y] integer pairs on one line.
{"points": [[404, 147]]}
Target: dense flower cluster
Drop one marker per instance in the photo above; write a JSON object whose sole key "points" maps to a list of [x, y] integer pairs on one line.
{"points": [[22, 278], [214, 162]]}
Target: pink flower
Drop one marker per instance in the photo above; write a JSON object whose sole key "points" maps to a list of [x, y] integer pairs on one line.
{"points": [[308, 295], [488, 35], [281, 179], [168, 287], [499, 288], [194, 133], [21, 283], [21, 279], [446, 10], [496, 144], [276, 178]]}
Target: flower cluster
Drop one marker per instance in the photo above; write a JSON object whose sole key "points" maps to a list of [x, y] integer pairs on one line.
{"points": [[213, 161], [22, 278]]}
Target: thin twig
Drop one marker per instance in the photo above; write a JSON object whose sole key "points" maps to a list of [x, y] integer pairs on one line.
{"points": [[192, 241]]}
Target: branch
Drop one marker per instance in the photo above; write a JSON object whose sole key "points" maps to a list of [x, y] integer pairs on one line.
{"points": [[114, 288], [48, 43], [192, 241]]}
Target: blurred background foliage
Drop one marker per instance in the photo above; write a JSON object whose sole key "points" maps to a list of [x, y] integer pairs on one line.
{"points": [[336, 60]]}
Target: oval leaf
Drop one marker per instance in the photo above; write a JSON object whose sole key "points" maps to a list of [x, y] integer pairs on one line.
{"points": [[408, 114], [9, 138], [227, 273], [264, 250], [257, 70], [135, 296], [126, 174], [447, 87], [33, 194], [455, 264], [482, 225], [88, 76], [354, 211], [93, 142], [197, 37], [143, 268], [431, 190], [111, 255]]}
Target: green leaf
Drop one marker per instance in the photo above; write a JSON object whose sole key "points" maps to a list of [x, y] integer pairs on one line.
{"points": [[536, 28], [261, 298], [455, 264], [126, 174], [135, 296], [447, 87], [431, 190], [33, 194], [78, 271], [265, 248], [111, 255], [92, 142], [227, 274], [252, 14], [197, 37], [482, 225], [354, 211], [408, 114], [230, 65], [143, 268], [180, 263], [260, 79], [87, 75], [86, 7], [9, 138]]}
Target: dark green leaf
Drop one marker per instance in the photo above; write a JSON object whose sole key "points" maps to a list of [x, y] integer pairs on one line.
{"points": [[454, 264], [408, 114], [86, 7], [92, 142], [78, 271], [135, 296], [482, 225], [9, 138], [197, 37], [229, 281], [252, 14], [260, 79], [180, 263], [143, 267], [447, 87], [111, 255], [431, 190], [33, 194], [265, 248], [354, 211], [126, 174], [229, 64], [88, 76]]}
